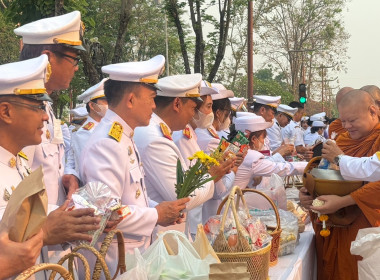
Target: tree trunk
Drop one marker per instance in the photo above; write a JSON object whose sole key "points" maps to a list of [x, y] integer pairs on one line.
{"points": [[59, 9], [196, 21], [224, 22], [125, 16], [173, 13]]}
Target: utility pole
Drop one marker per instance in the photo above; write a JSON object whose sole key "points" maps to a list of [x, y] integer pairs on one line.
{"points": [[250, 53], [323, 73]]}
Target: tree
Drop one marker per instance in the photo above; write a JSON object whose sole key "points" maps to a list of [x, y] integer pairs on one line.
{"points": [[301, 34]]}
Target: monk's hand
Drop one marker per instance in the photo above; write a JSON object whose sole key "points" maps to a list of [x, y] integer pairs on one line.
{"points": [[331, 150], [306, 199], [333, 203]]}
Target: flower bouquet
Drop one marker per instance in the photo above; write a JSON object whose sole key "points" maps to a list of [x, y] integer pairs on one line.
{"points": [[196, 176]]}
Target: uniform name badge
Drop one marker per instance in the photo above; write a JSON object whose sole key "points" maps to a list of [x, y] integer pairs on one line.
{"points": [[58, 135]]}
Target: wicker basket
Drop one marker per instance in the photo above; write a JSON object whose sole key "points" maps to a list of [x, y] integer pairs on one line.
{"points": [[70, 258], [257, 261], [121, 268], [45, 266], [275, 232]]}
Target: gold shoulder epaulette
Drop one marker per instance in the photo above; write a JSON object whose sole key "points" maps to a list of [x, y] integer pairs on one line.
{"points": [[165, 131], [116, 131], [21, 154], [213, 133], [186, 132], [89, 126]]}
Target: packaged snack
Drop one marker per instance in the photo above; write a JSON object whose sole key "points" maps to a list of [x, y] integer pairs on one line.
{"points": [[95, 195]]}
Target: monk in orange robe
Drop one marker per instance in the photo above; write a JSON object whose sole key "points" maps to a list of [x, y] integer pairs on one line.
{"points": [[336, 126], [358, 113]]}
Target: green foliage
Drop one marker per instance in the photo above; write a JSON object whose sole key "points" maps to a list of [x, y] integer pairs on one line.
{"points": [[10, 44]]}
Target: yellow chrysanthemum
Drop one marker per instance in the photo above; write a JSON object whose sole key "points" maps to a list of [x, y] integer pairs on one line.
{"points": [[324, 232]]}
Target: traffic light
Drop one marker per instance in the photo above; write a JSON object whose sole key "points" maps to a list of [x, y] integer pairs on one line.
{"points": [[302, 93]]}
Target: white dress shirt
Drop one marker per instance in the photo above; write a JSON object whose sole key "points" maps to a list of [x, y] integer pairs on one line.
{"points": [[274, 136]]}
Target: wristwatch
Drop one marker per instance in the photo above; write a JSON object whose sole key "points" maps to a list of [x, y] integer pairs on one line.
{"points": [[337, 159]]}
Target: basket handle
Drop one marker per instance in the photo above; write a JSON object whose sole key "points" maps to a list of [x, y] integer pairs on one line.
{"points": [[99, 257], [70, 257], [45, 266], [231, 204], [103, 251], [271, 203]]}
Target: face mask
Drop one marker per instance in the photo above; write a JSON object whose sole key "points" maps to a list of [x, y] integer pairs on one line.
{"points": [[225, 124], [102, 110], [202, 120], [260, 146]]}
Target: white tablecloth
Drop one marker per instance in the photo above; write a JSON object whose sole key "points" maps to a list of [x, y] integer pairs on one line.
{"points": [[301, 265]]}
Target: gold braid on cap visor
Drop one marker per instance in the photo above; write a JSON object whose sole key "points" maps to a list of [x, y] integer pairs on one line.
{"points": [[18, 91], [67, 42]]}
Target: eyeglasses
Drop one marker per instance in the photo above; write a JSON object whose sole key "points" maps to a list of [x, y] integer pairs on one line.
{"points": [[40, 108], [75, 61]]}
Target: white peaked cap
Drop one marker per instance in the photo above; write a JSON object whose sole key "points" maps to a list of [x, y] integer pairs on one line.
{"points": [[26, 78], [318, 117], [272, 101], [207, 88], [94, 92], [318, 124], [65, 29], [251, 123], [290, 111], [138, 71], [244, 114], [79, 111], [304, 118], [222, 92], [237, 101], [187, 85]]}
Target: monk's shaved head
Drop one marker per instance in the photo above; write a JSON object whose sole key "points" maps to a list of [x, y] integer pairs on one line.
{"points": [[340, 94], [358, 113], [374, 91]]}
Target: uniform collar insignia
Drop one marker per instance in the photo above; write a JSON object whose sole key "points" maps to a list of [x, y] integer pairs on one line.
{"points": [[187, 132], [89, 126], [166, 131], [21, 154], [213, 133], [116, 131], [47, 134]]}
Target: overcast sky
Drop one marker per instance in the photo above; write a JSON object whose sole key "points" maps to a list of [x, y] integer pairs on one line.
{"points": [[362, 22]]}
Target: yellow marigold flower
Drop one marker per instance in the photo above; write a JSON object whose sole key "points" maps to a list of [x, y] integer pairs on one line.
{"points": [[324, 232], [323, 218]]}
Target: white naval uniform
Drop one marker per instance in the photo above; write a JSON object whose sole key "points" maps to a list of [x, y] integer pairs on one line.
{"points": [[160, 155], [293, 131], [208, 139], [117, 164], [312, 138], [360, 169], [78, 142], [274, 136], [188, 146], [11, 175], [51, 155], [255, 164], [13, 170]]}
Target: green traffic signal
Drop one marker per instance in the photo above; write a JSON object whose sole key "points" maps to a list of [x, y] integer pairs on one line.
{"points": [[302, 100]]}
